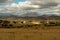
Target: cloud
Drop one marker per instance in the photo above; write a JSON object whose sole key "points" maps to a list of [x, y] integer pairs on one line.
{"points": [[6, 1], [32, 6], [45, 3], [23, 5], [19, 7]]}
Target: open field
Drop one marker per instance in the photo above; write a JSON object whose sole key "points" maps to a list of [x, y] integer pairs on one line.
{"points": [[24, 29], [41, 33]]}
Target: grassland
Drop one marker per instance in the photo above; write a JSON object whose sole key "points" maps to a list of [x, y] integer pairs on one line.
{"points": [[28, 32], [35, 33]]}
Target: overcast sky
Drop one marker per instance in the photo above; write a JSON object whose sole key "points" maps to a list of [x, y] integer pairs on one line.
{"points": [[26, 6]]}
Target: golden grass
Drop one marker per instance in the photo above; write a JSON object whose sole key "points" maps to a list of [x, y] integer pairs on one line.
{"points": [[47, 33]]}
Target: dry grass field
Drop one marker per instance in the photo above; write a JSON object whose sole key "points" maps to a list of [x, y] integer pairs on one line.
{"points": [[41, 33]]}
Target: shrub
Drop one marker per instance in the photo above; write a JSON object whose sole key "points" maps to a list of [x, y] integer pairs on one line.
{"points": [[14, 22], [1, 21], [4, 25], [6, 22]]}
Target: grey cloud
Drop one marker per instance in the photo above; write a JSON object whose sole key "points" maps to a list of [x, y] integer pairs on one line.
{"points": [[29, 8], [41, 10], [49, 5], [45, 3], [5, 1]]}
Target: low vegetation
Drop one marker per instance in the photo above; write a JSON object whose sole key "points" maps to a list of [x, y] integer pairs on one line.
{"points": [[25, 24], [21, 30]]}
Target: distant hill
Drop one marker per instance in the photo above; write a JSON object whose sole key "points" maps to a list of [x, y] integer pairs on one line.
{"points": [[30, 15]]}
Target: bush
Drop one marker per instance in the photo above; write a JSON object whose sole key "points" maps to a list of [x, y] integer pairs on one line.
{"points": [[14, 22], [1, 21], [4, 25], [6, 22]]}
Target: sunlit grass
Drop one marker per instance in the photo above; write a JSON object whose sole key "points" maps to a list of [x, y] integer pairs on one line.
{"points": [[33, 33]]}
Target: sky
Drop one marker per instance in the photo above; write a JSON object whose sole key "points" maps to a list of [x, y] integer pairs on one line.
{"points": [[17, 1], [19, 7]]}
